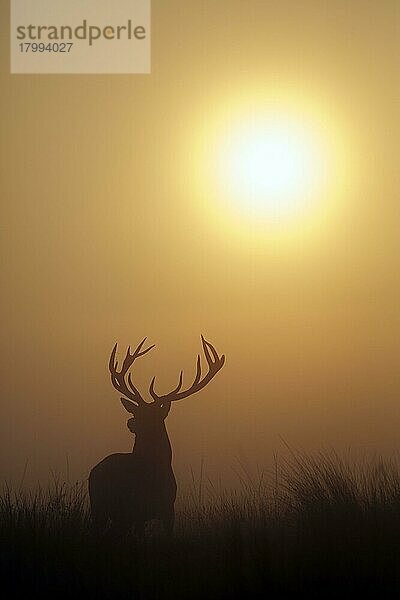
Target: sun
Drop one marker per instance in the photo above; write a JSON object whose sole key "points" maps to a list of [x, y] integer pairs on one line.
{"points": [[263, 168], [271, 168]]}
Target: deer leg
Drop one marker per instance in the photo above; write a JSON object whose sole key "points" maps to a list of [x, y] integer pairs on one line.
{"points": [[139, 529], [168, 520], [99, 521]]}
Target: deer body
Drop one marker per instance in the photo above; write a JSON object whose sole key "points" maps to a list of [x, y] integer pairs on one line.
{"points": [[130, 489], [145, 482]]}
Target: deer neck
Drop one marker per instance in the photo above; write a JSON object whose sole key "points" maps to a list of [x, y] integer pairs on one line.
{"points": [[154, 445]]}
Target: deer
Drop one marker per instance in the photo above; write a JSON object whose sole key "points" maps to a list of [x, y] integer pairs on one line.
{"points": [[126, 490]]}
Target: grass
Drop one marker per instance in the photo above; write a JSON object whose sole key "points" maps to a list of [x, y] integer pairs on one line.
{"points": [[319, 525]]}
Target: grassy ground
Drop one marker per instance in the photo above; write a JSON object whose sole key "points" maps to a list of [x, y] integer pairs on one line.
{"points": [[318, 526]]}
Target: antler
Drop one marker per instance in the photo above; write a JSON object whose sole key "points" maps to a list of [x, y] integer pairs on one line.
{"points": [[215, 363], [118, 377]]}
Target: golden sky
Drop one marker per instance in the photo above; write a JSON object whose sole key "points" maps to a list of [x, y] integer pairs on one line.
{"points": [[111, 230]]}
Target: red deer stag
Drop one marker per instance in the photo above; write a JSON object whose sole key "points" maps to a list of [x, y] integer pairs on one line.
{"points": [[132, 488]]}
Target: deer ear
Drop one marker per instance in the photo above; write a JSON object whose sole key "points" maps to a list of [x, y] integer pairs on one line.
{"points": [[128, 405], [131, 424]]}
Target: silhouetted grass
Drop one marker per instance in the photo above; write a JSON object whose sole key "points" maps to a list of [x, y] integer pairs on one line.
{"points": [[318, 525]]}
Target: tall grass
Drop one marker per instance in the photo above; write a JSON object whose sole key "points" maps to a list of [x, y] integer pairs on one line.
{"points": [[318, 524]]}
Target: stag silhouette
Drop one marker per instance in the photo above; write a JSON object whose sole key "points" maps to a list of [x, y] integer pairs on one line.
{"points": [[126, 490]]}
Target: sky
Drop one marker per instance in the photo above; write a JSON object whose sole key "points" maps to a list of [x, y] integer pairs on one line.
{"points": [[114, 227]]}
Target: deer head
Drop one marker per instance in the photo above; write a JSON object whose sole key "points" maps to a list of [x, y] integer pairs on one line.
{"points": [[148, 415]]}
